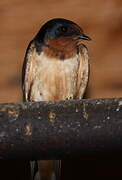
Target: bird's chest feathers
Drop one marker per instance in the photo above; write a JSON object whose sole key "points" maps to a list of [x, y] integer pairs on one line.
{"points": [[55, 79]]}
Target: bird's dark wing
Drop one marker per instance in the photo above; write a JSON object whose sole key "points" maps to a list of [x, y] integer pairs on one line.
{"points": [[27, 72], [83, 72], [27, 76]]}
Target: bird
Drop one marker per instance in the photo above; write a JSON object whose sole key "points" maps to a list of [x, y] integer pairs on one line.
{"points": [[55, 67]]}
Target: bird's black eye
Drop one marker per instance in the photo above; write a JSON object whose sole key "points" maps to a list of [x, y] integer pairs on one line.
{"points": [[61, 30], [64, 29]]}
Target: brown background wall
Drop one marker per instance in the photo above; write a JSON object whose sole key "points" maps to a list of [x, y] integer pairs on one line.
{"points": [[101, 20]]}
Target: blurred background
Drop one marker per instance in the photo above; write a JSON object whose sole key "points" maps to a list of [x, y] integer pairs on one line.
{"points": [[102, 20]]}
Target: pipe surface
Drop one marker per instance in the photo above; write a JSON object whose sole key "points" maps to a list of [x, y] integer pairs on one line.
{"points": [[60, 129]]}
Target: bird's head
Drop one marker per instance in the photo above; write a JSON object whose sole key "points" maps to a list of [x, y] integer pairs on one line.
{"points": [[61, 34]]}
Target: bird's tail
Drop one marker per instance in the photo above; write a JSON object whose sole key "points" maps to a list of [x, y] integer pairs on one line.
{"points": [[46, 170], [57, 169]]}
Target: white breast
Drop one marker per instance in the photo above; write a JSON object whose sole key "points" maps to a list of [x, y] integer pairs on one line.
{"points": [[54, 79]]}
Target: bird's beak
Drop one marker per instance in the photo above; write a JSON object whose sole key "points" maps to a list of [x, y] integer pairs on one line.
{"points": [[83, 37]]}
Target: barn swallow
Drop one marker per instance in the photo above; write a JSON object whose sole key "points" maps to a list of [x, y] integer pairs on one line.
{"points": [[56, 67]]}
